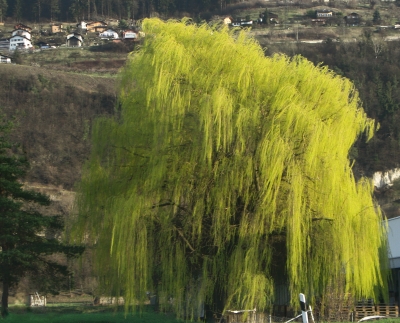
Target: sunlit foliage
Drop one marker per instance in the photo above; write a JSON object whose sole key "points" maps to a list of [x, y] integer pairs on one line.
{"points": [[225, 169]]}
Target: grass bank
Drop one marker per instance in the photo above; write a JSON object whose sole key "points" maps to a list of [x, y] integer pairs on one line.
{"points": [[85, 315]]}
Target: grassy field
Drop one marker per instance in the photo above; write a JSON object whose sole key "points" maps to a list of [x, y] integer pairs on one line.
{"points": [[76, 60], [80, 314], [85, 315]]}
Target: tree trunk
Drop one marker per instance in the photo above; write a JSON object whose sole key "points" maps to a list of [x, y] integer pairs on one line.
{"points": [[4, 298]]}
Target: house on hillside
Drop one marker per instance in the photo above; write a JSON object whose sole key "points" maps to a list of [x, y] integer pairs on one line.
{"points": [[5, 59], [100, 29], [82, 25], [19, 42], [129, 34], [21, 32], [4, 44], [318, 22], [74, 40], [24, 27], [325, 13], [352, 19], [43, 45], [242, 22], [91, 26], [56, 28], [228, 20], [109, 33]]}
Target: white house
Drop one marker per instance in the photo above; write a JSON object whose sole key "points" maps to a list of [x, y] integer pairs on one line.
{"points": [[109, 33], [5, 59], [21, 32], [129, 34], [82, 25], [326, 13], [19, 42]]}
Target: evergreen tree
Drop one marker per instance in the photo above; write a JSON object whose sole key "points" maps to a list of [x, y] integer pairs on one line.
{"points": [[26, 236], [17, 10], [37, 9], [78, 9], [3, 9], [376, 18], [54, 9], [227, 172]]}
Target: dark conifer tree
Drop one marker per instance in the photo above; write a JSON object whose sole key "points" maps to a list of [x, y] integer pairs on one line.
{"points": [[27, 238]]}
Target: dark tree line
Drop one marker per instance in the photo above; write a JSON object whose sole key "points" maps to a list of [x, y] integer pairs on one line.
{"points": [[70, 10]]}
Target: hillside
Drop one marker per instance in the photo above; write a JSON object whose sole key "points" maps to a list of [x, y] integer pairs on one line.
{"points": [[53, 112]]}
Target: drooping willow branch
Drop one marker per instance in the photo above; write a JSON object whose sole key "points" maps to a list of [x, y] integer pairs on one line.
{"points": [[244, 153]]}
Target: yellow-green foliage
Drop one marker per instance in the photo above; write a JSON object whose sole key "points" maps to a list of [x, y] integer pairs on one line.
{"points": [[217, 151]]}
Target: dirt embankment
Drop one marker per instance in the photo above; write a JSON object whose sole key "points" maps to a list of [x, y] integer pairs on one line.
{"points": [[53, 112]]}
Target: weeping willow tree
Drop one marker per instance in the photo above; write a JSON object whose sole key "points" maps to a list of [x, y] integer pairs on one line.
{"points": [[226, 171]]}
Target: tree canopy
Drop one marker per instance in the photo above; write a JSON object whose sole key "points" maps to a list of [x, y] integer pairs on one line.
{"points": [[27, 238], [226, 172]]}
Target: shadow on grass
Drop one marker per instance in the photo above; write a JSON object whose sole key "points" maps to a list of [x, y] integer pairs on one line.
{"points": [[86, 314]]}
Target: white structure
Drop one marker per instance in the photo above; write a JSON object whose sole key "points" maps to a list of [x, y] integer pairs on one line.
{"points": [[19, 42], [227, 20], [129, 34], [324, 13], [82, 25], [109, 33], [394, 242], [111, 300], [37, 300], [5, 59], [21, 32], [384, 179]]}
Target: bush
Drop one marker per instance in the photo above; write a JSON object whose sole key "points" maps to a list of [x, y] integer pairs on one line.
{"points": [[114, 47], [17, 57]]}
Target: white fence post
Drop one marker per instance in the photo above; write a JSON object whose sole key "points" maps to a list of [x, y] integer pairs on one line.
{"points": [[303, 308]]}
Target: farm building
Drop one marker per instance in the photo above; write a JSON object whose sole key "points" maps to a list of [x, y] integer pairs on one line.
{"points": [[109, 33], [74, 40], [5, 59]]}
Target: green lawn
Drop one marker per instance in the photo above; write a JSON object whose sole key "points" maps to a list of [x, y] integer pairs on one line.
{"points": [[84, 315]]}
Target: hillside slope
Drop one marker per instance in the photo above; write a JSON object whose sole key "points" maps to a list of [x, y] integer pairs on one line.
{"points": [[54, 111]]}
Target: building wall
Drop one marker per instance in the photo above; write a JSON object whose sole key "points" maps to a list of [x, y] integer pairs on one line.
{"points": [[19, 43], [394, 241], [21, 33], [394, 256]]}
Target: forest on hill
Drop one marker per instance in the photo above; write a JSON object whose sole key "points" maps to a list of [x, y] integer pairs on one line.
{"points": [[72, 10]]}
